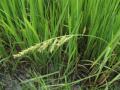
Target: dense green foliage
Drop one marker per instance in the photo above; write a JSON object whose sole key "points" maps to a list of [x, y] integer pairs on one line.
{"points": [[60, 44]]}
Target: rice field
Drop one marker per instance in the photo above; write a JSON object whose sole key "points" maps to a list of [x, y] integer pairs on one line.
{"points": [[60, 45]]}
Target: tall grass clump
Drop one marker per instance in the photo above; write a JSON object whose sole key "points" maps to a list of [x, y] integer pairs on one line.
{"points": [[60, 44]]}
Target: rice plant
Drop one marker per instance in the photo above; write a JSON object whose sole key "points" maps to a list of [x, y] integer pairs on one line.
{"points": [[59, 44]]}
